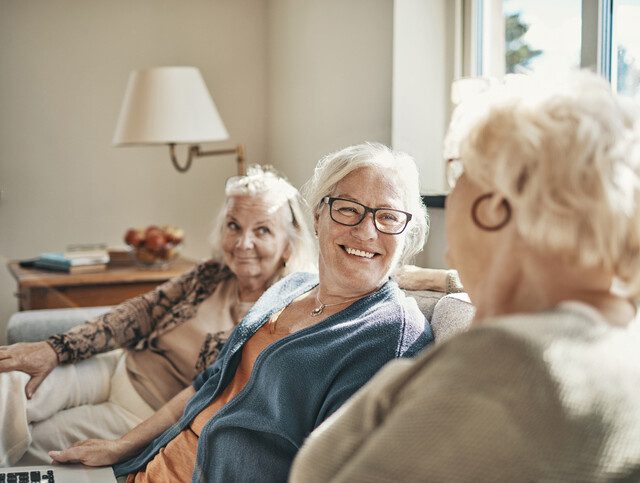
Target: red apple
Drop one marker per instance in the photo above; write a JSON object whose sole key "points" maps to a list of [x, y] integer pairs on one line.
{"points": [[155, 241], [151, 228], [133, 237], [152, 231]]}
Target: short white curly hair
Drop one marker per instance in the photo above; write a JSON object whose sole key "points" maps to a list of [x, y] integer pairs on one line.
{"points": [[332, 168], [567, 158]]}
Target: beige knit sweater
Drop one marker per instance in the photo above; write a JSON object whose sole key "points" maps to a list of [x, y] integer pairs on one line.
{"points": [[553, 396]]}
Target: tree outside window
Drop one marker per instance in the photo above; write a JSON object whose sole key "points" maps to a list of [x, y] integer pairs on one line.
{"points": [[625, 68], [542, 36], [518, 53]]}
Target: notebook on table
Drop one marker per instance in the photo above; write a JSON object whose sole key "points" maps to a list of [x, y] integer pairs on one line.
{"points": [[57, 474]]}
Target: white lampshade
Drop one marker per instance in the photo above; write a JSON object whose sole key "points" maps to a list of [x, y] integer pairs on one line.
{"points": [[168, 105]]}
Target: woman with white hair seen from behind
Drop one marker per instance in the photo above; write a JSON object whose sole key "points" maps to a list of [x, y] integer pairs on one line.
{"points": [[543, 225]]}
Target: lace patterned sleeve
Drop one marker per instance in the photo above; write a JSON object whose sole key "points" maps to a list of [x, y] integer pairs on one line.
{"points": [[127, 325], [211, 348]]}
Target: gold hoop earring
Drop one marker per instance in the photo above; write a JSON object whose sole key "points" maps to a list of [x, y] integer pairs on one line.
{"points": [[476, 218]]}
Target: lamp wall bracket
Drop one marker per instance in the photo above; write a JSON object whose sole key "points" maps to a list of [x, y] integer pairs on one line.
{"points": [[196, 152]]}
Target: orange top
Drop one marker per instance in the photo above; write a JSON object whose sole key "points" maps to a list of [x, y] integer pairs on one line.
{"points": [[176, 461]]}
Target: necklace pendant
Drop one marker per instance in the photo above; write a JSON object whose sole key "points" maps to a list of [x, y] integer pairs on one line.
{"points": [[317, 311]]}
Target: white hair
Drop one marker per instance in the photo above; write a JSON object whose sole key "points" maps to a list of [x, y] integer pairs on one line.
{"points": [[332, 168], [567, 157], [263, 181]]}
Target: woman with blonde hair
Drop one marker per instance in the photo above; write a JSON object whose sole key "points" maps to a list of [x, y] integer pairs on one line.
{"points": [[543, 225], [50, 389]]}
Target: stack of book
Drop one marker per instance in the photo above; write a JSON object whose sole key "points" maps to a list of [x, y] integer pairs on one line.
{"points": [[74, 261], [120, 256]]}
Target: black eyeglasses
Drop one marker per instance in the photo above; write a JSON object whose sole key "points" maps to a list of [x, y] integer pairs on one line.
{"points": [[350, 213]]}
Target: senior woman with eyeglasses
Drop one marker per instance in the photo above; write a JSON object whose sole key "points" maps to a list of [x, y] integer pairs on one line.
{"points": [[544, 228], [169, 335], [305, 347]]}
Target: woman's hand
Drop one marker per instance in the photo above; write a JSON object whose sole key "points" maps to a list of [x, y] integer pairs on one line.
{"points": [[37, 359], [94, 452], [101, 452]]}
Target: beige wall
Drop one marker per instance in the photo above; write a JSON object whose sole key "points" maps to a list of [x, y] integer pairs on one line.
{"points": [[423, 39], [292, 79], [63, 70], [423, 68], [329, 79]]}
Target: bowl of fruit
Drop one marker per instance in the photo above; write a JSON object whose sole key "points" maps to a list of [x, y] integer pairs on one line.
{"points": [[154, 246]]}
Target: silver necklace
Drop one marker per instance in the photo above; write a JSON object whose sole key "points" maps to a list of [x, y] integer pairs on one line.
{"points": [[319, 309]]}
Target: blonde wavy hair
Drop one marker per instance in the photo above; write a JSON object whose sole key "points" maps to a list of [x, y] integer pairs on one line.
{"points": [[567, 158]]}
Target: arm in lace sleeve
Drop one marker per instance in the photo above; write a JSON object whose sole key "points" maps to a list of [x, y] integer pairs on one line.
{"points": [[126, 325]]}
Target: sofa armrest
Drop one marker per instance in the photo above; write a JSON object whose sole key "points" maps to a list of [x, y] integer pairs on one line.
{"points": [[36, 325], [452, 314], [447, 314], [426, 300]]}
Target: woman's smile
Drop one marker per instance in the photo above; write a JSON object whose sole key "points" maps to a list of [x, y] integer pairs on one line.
{"points": [[358, 258], [358, 253]]}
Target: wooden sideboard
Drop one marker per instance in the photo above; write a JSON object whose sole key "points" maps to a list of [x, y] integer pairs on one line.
{"points": [[42, 289]]}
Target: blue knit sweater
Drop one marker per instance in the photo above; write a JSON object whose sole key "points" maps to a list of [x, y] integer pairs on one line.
{"points": [[296, 382]]}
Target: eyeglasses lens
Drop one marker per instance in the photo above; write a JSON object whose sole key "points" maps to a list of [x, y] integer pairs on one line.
{"points": [[350, 213]]}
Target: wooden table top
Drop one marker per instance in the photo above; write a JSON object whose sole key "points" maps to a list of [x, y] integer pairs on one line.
{"points": [[32, 277]]}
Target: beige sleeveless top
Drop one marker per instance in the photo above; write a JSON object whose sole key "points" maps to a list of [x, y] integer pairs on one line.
{"points": [[168, 365]]}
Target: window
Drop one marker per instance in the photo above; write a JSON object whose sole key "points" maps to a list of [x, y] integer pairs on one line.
{"points": [[625, 47], [538, 42], [549, 36]]}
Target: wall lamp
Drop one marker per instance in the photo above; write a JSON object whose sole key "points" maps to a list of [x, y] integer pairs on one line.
{"points": [[171, 105]]}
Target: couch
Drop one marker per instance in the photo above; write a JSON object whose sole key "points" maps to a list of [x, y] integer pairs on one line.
{"points": [[447, 314]]}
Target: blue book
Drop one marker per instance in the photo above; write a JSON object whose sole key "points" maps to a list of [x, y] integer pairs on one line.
{"points": [[66, 266], [63, 260]]}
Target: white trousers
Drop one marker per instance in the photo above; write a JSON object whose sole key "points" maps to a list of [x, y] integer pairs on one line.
{"points": [[90, 399]]}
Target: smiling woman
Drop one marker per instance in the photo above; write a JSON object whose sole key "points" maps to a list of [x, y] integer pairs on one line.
{"points": [[253, 245], [358, 252], [306, 345], [356, 259], [168, 335], [397, 175]]}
